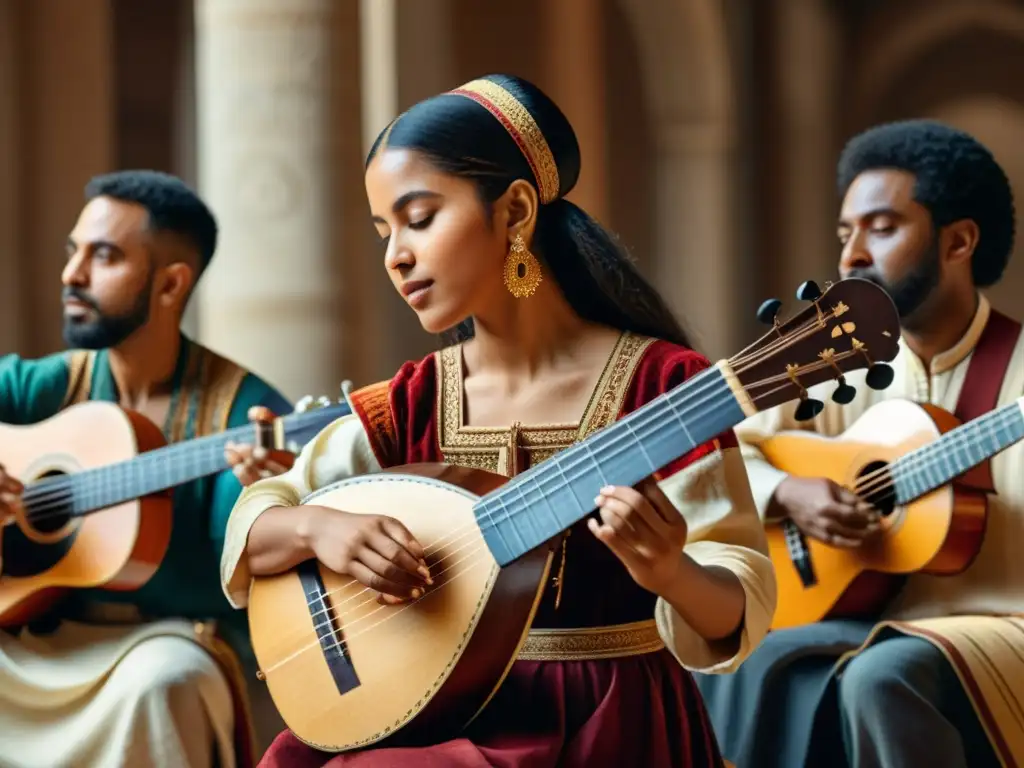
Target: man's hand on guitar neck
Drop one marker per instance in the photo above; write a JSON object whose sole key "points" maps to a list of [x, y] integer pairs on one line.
{"points": [[252, 463], [825, 510]]}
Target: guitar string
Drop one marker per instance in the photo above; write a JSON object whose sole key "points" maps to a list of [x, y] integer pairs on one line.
{"points": [[337, 636], [49, 488], [51, 497], [883, 478], [60, 489]]}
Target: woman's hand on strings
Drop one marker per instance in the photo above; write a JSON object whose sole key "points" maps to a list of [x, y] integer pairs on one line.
{"points": [[377, 551], [644, 530], [251, 463]]}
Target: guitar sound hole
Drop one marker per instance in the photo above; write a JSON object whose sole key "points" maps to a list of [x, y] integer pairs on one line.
{"points": [[875, 485], [47, 511]]}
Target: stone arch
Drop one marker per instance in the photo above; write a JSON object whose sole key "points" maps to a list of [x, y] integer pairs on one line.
{"points": [[683, 47], [895, 47]]}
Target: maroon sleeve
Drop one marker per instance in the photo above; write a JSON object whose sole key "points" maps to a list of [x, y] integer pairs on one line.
{"points": [[664, 367]]}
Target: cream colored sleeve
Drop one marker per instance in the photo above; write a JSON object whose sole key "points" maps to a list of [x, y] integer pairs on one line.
{"points": [[724, 530], [763, 477], [341, 450]]}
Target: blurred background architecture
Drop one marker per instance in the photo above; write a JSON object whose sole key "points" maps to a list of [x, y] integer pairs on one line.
{"points": [[709, 128]]}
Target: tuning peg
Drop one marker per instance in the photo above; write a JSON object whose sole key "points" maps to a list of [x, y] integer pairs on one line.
{"points": [[304, 404], [880, 376], [808, 291], [323, 402], [768, 310], [844, 393], [808, 409]]}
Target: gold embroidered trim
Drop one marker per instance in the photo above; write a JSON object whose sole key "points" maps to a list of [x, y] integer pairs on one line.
{"points": [[80, 370], [221, 380], [482, 447], [517, 120], [178, 422], [611, 642]]}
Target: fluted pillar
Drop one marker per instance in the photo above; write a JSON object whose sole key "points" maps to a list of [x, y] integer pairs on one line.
{"points": [[271, 299], [574, 76], [694, 233]]}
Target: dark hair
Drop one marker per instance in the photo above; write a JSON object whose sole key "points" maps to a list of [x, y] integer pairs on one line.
{"points": [[171, 204], [594, 272], [955, 177]]}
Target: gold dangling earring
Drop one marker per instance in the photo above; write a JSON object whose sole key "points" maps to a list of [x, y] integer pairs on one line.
{"points": [[522, 270]]}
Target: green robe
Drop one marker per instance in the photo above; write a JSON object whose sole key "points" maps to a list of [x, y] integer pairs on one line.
{"points": [[187, 583]]}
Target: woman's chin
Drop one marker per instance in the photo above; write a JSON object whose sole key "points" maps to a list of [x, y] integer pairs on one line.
{"points": [[434, 322]]}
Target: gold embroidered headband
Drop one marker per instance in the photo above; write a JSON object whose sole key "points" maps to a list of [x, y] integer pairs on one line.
{"points": [[523, 129]]}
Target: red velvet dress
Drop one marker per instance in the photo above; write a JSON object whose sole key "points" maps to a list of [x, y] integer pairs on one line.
{"points": [[641, 710]]}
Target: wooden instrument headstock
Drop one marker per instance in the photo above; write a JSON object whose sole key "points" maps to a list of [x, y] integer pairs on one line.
{"points": [[850, 326]]}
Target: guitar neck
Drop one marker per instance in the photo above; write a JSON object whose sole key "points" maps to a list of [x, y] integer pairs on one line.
{"points": [[148, 473], [157, 470], [551, 497], [956, 452]]}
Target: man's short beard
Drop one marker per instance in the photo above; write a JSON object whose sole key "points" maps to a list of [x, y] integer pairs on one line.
{"points": [[107, 330], [913, 290]]}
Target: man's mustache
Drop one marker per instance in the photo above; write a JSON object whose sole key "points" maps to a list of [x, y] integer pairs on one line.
{"points": [[867, 274], [78, 295]]}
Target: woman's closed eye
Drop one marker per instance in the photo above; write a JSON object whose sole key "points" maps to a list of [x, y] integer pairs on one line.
{"points": [[421, 223]]}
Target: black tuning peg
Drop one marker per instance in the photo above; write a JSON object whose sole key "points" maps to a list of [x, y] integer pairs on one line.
{"points": [[808, 409], [844, 393], [880, 376], [808, 291], [766, 312]]}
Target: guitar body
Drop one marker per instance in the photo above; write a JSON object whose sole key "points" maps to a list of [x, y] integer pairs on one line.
{"points": [[939, 533], [354, 674], [118, 548]]}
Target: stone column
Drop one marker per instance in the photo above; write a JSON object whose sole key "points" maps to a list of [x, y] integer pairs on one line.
{"points": [[574, 77], [694, 237], [807, 77], [271, 298]]}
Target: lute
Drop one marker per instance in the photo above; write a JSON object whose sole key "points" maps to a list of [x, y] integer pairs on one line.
{"points": [[346, 672]]}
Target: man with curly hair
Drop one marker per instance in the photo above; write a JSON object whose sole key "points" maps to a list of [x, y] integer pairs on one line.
{"points": [[927, 213]]}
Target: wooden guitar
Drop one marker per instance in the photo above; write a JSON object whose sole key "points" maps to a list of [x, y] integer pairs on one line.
{"points": [[100, 458], [921, 471], [346, 672]]}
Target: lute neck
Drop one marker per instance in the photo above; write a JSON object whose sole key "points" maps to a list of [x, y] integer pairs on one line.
{"points": [[551, 497]]}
